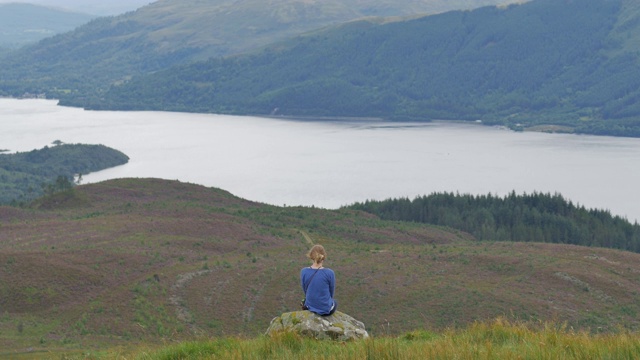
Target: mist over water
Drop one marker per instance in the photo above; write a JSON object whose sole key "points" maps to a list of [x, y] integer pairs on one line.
{"points": [[331, 164]]}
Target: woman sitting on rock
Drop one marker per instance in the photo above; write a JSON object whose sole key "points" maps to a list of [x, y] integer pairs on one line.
{"points": [[318, 284]]}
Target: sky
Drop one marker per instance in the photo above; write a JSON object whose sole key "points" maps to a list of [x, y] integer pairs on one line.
{"points": [[95, 7]]}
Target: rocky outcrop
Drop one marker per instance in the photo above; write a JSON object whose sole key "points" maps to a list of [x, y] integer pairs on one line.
{"points": [[338, 326]]}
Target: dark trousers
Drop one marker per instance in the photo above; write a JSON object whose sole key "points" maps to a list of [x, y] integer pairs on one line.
{"points": [[335, 307]]}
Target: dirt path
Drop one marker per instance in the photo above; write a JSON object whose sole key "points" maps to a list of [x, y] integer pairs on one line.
{"points": [[176, 299], [307, 238]]}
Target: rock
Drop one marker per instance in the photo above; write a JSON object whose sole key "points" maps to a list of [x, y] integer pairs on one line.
{"points": [[338, 326]]}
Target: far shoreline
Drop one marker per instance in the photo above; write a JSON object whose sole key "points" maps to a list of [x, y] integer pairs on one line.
{"points": [[542, 128]]}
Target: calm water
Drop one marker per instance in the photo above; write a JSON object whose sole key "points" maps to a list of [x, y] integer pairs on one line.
{"points": [[333, 164]]}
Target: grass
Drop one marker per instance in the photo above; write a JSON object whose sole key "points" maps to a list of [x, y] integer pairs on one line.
{"points": [[499, 339]]}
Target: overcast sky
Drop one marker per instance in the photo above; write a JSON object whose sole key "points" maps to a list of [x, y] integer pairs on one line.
{"points": [[95, 7]]}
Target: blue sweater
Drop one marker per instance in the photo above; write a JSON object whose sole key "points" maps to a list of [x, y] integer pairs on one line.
{"points": [[319, 296]]}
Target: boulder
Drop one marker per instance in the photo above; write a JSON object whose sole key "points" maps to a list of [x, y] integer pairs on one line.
{"points": [[338, 326]]}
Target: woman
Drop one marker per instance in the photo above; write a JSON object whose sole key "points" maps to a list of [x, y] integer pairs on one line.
{"points": [[318, 284]]}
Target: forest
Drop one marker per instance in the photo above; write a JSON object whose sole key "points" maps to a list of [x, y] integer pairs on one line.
{"points": [[536, 217], [25, 176], [567, 64]]}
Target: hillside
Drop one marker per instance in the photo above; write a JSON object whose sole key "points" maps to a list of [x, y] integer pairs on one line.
{"points": [[23, 24], [25, 176], [543, 65], [145, 260], [170, 32]]}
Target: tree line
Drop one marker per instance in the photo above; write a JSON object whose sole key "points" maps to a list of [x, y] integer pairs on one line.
{"points": [[536, 217], [25, 176]]}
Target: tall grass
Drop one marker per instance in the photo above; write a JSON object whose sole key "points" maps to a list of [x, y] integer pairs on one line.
{"points": [[500, 339]]}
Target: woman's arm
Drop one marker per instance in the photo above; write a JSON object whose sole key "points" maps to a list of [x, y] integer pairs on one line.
{"points": [[332, 283]]}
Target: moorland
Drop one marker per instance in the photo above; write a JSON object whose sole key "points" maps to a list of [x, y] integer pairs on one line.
{"points": [[148, 261]]}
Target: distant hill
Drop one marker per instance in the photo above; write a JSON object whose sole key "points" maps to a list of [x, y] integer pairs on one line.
{"points": [[111, 7], [23, 24], [151, 260], [171, 32], [544, 65]]}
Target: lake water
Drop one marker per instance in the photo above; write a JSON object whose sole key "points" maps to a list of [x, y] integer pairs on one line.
{"points": [[329, 164]]}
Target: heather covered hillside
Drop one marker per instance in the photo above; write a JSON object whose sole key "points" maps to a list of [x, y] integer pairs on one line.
{"points": [[149, 260]]}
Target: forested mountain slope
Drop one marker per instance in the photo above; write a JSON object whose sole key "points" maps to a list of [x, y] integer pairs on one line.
{"points": [[570, 64], [170, 32], [22, 24]]}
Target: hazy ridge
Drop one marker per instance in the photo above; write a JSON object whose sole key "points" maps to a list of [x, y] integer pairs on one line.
{"points": [[23, 24], [101, 8]]}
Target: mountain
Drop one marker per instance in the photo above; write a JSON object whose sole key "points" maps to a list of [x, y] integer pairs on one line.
{"points": [[22, 24], [170, 32], [146, 260], [102, 8], [545, 65]]}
